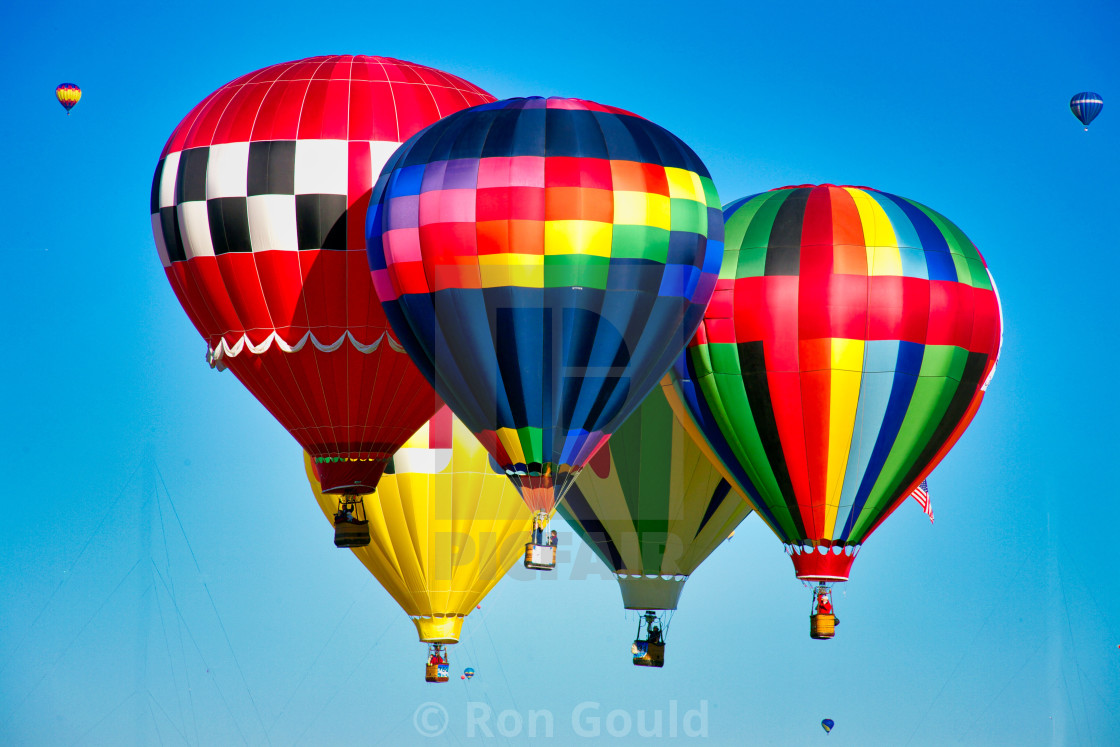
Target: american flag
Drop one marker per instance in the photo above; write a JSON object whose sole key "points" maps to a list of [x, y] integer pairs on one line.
{"points": [[921, 495]]}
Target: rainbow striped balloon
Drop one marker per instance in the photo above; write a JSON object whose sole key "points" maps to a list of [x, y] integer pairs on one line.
{"points": [[847, 346], [544, 261]]}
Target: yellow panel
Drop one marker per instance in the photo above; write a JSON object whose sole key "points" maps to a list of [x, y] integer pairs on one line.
{"points": [[685, 184], [440, 541], [641, 209], [847, 371], [503, 270], [577, 237], [883, 257]]}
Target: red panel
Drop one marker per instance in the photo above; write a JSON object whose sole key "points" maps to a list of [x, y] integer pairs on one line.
{"points": [[778, 315], [785, 396], [236, 125], [816, 232], [415, 108], [281, 278], [361, 109], [384, 125], [211, 286], [202, 133], [510, 203], [239, 273], [814, 566], [985, 330], [313, 115], [950, 313], [816, 403]]}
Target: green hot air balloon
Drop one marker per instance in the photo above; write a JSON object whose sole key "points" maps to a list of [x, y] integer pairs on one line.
{"points": [[653, 506]]}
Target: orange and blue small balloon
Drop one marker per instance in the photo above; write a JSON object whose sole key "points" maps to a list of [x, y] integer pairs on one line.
{"points": [[68, 94], [827, 725]]}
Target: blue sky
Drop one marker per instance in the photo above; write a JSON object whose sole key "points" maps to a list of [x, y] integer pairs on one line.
{"points": [[169, 579]]}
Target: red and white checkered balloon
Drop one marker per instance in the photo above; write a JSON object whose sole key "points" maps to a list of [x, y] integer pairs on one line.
{"points": [[258, 211]]}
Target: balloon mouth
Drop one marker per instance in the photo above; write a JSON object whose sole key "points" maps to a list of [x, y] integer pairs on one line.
{"points": [[349, 476], [822, 563]]}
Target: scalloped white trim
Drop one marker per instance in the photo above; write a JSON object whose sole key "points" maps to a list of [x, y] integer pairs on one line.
{"points": [[216, 356]]}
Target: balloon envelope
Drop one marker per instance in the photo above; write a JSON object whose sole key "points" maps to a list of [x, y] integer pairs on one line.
{"points": [[1086, 106], [68, 95], [827, 725], [544, 261], [652, 506], [848, 345], [444, 526], [258, 209]]}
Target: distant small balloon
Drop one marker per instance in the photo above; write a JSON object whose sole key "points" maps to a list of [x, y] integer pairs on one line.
{"points": [[68, 94], [1086, 106], [827, 725]]}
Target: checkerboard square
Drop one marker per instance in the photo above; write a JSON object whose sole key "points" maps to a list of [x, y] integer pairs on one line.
{"points": [[321, 167], [229, 224], [272, 168], [321, 220], [226, 170], [272, 222], [191, 182]]}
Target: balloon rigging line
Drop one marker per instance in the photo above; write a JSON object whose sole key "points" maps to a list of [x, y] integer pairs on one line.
{"points": [[113, 710], [213, 605], [74, 640], [155, 723], [69, 571], [174, 677], [965, 652], [179, 630], [152, 699], [1073, 648], [201, 656], [338, 689], [326, 645], [1012, 678]]}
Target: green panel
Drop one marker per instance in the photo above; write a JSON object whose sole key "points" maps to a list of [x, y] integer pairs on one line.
{"points": [[640, 242], [979, 274], [735, 225], [562, 270], [727, 399], [688, 215], [964, 272], [752, 263], [531, 443], [711, 195], [757, 234], [725, 357], [701, 358]]}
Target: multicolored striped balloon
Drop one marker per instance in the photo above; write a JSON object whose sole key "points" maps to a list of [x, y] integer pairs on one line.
{"points": [[68, 95], [848, 344], [544, 261]]}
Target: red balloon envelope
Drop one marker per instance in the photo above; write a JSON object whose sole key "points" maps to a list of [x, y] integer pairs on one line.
{"points": [[258, 210]]}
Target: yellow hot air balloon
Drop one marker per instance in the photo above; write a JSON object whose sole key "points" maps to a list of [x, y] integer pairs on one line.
{"points": [[445, 527]]}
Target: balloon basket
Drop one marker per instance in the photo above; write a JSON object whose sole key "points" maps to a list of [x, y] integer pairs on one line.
{"points": [[652, 654], [822, 627], [351, 534], [540, 557], [437, 673]]}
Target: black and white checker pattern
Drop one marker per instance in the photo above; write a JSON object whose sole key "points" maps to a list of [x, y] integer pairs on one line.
{"points": [[267, 195]]}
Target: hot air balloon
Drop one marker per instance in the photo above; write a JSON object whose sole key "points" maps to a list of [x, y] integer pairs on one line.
{"points": [[468, 672], [68, 95], [1086, 106], [652, 506], [445, 528], [848, 345], [544, 261], [827, 725], [258, 206]]}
